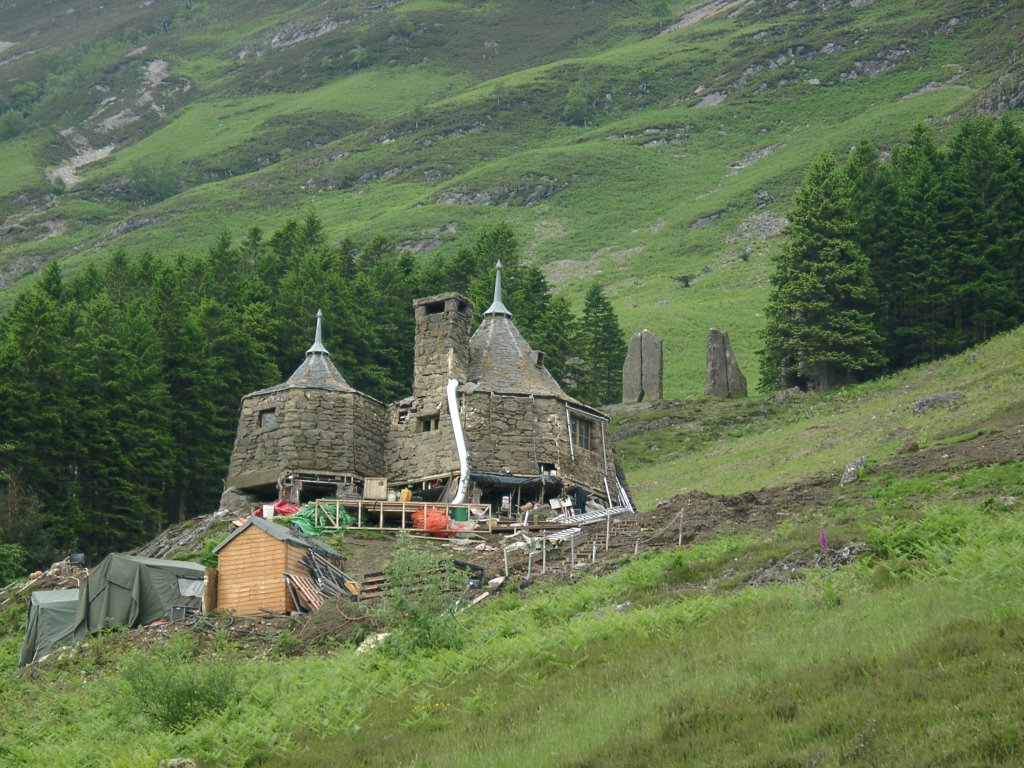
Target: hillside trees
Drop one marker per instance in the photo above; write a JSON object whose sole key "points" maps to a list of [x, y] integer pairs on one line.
{"points": [[820, 327], [120, 386], [941, 231], [602, 349]]}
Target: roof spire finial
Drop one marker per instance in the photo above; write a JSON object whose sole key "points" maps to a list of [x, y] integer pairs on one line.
{"points": [[497, 307], [318, 344]]}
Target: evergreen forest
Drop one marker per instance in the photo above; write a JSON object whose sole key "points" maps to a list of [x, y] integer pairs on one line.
{"points": [[896, 261], [120, 386]]}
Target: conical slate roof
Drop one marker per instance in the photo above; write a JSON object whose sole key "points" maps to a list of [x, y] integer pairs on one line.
{"points": [[316, 371], [500, 359]]}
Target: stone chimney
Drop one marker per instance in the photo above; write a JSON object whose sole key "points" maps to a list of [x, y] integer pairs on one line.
{"points": [[442, 341]]}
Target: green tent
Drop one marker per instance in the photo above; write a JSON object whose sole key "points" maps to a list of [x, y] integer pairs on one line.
{"points": [[124, 590], [51, 623]]}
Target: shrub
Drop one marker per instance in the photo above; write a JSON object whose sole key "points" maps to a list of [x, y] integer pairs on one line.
{"points": [[153, 181], [12, 560], [12, 124], [171, 687], [420, 596]]}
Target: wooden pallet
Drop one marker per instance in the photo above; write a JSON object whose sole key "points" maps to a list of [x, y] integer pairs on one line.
{"points": [[372, 586]]}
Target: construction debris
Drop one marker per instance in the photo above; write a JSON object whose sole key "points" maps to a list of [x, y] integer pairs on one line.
{"points": [[64, 574]]}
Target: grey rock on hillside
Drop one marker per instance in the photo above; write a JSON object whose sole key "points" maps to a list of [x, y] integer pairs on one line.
{"points": [[724, 377]]}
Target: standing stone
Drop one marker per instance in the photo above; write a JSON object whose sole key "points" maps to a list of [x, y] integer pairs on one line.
{"points": [[724, 377], [642, 371]]}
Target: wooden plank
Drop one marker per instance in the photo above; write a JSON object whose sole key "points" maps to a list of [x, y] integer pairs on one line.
{"points": [[372, 586], [209, 601], [309, 595]]}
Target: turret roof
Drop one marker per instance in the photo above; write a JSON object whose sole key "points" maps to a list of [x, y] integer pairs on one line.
{"points": [[500, 359], [316, 371]]}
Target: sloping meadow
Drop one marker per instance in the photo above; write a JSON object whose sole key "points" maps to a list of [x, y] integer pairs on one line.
{"points": [[910, 654]]}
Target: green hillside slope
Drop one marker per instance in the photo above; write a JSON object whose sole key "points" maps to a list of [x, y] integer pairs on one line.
{"points": [[632, 143], [875, 623]]}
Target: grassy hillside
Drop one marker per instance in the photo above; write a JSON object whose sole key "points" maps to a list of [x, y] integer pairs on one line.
{"points": [[633, 143], [750, 645], [733, 447]]}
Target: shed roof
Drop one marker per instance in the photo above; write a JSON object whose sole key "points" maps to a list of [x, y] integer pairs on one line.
{"points": [[281, 533]]}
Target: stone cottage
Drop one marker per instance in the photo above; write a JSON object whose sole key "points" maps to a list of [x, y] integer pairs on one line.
{"points": [[485, 421]]}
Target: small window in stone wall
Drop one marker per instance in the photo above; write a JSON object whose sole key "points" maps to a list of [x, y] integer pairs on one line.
{"points": [[268, 417], [429, 423], [581, 432]]}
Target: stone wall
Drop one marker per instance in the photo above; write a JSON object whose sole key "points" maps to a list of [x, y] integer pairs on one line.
{"points": [[415, 454], [310, 429], [516, 434]]}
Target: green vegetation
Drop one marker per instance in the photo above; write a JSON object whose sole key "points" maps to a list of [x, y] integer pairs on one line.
{"points": [[420, 599], [175, 689], [659, 166], [733, 447], [909, 655], [820, 325], [915, 258], [121, 385], [422, 122]]}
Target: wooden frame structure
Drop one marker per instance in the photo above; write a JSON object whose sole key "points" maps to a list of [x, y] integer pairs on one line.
{"points": [[388, 515]]}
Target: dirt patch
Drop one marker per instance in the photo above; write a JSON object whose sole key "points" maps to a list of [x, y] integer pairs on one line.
{"points": [[984, 449]]}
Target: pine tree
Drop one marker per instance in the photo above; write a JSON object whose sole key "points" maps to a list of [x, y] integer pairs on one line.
{"points": [[876, 228], [602, 349], [556, 332], [916, 286], [982, 193], [121, 439], [37, 410], [820, 315]]}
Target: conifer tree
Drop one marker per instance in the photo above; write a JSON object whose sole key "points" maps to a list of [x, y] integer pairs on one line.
{"points": [[984, 297], [820, 324], [556, 332], [919, 297], [602, 350], [37, 409], [121, 439]]}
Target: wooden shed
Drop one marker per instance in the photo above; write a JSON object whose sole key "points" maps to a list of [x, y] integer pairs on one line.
{"points": [[252, 562]]}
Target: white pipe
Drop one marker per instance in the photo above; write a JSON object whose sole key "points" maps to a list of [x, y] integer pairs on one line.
{"points": [[568, 426], [460, 440]]}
